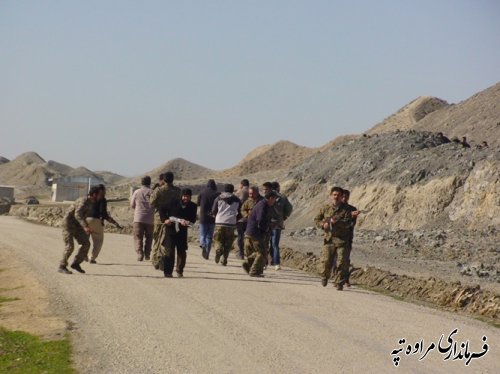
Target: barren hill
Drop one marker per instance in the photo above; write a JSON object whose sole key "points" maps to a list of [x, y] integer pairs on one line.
{"points": [[280, 155], [27, 169], [477, 118], [30, 169], [182, 169]]}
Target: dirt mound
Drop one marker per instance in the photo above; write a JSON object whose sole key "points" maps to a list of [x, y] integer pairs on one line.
{"points": [[407, 117], [182, 169], [26, 169], [31, 170], [448, 295], [477, 118], [280, 155], [401, 180]]}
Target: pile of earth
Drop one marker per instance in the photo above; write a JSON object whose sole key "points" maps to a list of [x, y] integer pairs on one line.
{"points": [[278, 156], [30, 170], [477, 118], [471, 300], [401, 180]]}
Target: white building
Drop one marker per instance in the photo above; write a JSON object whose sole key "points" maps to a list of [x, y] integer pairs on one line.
{"points": [[72, 188], [7, 192]]}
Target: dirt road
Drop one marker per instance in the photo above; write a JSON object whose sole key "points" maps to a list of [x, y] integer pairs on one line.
{"points": [[127, 318]]}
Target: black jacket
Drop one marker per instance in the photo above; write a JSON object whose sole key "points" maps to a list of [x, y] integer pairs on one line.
{"points": [[206, 200], [177, 210]]}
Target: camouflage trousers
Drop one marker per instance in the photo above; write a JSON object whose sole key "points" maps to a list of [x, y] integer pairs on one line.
{"points": [[255, 252], [158, 251], [223, 240], [71, 233], [341, 251]]}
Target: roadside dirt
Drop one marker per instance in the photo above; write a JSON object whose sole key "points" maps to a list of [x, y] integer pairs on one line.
{"points": [[31, 311]]}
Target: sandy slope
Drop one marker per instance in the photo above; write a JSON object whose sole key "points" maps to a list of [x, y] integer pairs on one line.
{"points": [[129, 319]]}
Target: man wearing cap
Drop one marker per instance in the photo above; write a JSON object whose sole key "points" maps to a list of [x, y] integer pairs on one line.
{"points": [[256, 235], [143, 219], [161, 198], [226, 210], [177, 216]]}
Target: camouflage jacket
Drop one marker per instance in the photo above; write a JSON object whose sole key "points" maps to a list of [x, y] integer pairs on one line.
{"points": [[162, 197], [78, 212], [340, 231], [246, 208]]}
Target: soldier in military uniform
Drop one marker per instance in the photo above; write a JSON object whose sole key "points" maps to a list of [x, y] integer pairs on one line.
{"points": [[258, 225], [75, 226], [161, 198], [335, 219]]}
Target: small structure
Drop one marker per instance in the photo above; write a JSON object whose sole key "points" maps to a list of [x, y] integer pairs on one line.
{"points": [[7, 193], [72, 188]]}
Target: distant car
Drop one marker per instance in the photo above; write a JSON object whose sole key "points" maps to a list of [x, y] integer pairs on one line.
{"points": [[32, 201]]}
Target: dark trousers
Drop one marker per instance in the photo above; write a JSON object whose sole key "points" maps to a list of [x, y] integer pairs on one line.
{"points": [[174, 243]]}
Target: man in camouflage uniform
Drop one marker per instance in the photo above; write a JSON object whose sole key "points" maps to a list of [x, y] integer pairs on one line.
{"points": [[258, 225], [335, 219], [253, 198], [75, 226], [161, 198]]}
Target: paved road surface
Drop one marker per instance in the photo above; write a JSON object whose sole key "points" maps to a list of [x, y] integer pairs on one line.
{"points": [[129, 319]]}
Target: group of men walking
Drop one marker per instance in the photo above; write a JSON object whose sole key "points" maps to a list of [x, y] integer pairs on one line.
{"points": [[163, 213]]}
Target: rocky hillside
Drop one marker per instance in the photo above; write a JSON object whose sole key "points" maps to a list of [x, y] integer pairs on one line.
{"points": [[402, 180], [477, 118], [3, 160], [278, 156]]}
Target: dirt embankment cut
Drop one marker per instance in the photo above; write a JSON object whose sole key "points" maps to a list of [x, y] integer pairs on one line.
{"points": [[454, 296]]}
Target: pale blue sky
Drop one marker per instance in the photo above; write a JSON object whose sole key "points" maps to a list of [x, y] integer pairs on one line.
{"points": [[127, 85]]}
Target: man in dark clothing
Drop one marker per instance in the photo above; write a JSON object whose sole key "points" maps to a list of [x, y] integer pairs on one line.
{"points": [[98, 214], [355, 214], [256, 235], [207, 222], [178, 216], [161, 198]]}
